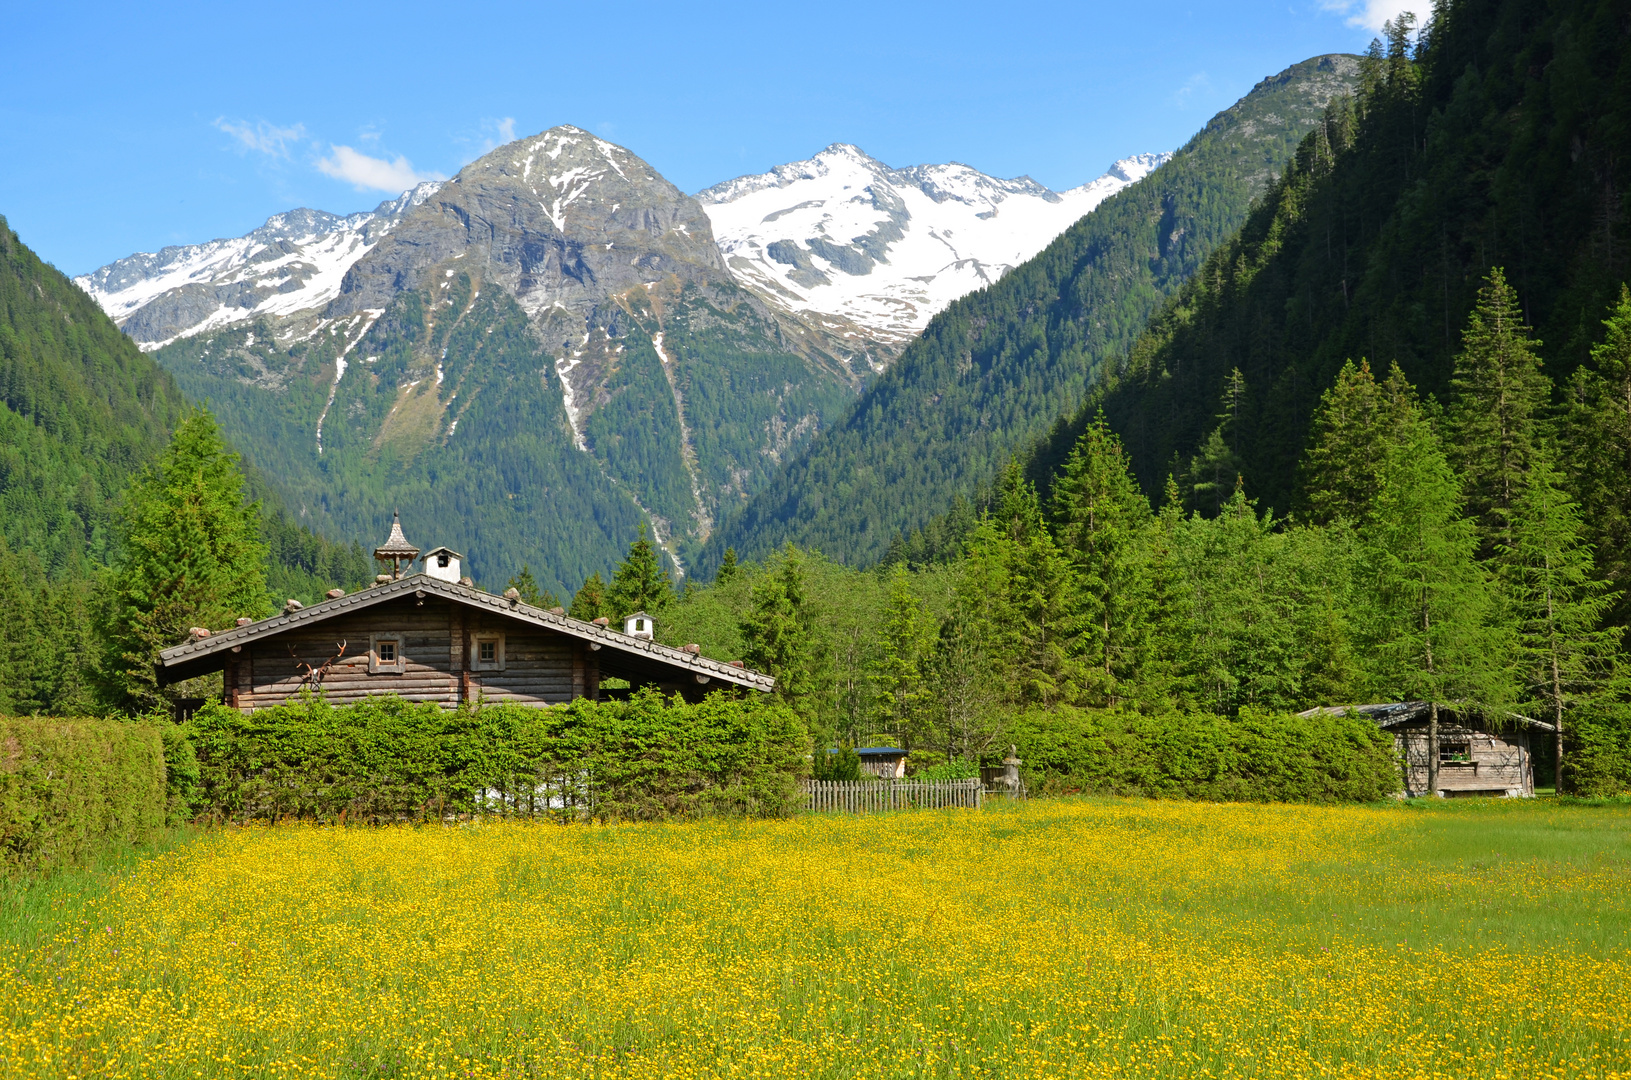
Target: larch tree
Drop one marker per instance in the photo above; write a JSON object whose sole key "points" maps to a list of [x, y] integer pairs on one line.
{"points": [[1566, 655], [191, 556], [1430, 632], [1498, 396], [905, 641]]}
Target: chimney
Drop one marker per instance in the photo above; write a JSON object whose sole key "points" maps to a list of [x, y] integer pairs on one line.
{"points": [[640, 625]]}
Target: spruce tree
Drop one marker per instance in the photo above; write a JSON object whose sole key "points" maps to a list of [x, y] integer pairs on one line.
{"points": [[1566, 657], [1494, 420], [191, 556], [1429, 632], [1596, 449], [640, 582], [1357, 418], [1101, 517], [727, 568], [589, 602], [1164, 677]]}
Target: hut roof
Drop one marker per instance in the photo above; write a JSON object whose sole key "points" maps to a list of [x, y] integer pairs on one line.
{"points": [[1397, 713]]}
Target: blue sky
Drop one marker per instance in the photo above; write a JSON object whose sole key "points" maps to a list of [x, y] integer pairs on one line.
{"points": [[128, 127]]}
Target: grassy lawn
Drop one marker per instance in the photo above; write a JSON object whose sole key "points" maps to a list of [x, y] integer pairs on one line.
{"points": [[1057, 938]]}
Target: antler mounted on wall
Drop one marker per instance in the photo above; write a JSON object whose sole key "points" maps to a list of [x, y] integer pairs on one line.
{"points": [[315, 672]]}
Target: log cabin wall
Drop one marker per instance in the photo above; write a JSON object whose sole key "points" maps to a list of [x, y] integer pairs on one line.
{"points": [[1471, 762], [439, 659]]}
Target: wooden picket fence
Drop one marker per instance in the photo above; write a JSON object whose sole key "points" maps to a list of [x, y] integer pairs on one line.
{"points": [[872, 796]]}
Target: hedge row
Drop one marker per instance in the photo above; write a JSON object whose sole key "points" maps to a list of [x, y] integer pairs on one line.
{"points": [[391, 760], [1255, 757], [71, 788]]}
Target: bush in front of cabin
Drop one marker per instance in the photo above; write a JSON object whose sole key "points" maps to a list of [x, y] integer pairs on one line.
{"points": [[72, 788], [1256, 757], [386, 759]]}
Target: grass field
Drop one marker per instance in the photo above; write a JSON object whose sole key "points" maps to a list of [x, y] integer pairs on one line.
{"points": [[1071, 939]]}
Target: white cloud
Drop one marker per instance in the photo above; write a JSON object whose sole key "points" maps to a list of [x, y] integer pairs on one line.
{"points": [[1198, 84], [261, 136], [1371, 14], [506, 130], [371, 173]]}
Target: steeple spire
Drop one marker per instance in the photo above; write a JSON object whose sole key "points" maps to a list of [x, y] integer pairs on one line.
{"points": [[396, 550]]}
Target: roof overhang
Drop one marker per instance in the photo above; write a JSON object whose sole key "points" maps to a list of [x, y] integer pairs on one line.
{"points": [[1397, 713], [204, 655]]}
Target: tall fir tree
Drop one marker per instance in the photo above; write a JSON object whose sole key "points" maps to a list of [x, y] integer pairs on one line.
{"points": [[1101, 519], [191, 556], [640, 582], [1358, 417], [779, 632], [1498, 399], [1595, 436], [1430, 632], [1566, 658], [1216, 464], [727, 568]]}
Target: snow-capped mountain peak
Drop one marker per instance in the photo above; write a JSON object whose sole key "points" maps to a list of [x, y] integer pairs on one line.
{"points": [[845, 236], [292, 263]]}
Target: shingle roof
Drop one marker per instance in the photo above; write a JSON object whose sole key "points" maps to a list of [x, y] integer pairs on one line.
{"points": [[464, 594], [396, 545], [1393, 713]]}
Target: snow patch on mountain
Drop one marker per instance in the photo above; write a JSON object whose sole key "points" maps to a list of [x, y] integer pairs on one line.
{"points": [[844, 235], [295, 262]]}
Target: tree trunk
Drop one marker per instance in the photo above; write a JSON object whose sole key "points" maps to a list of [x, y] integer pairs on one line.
{"points": [[1432, 750]]}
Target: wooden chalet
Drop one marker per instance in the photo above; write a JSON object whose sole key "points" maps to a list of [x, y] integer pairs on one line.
{"points": [[1473, 757], [433, 636]]}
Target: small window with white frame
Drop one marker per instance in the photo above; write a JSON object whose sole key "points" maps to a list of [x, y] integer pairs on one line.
{"points": [[487, 652], [385, 655]]}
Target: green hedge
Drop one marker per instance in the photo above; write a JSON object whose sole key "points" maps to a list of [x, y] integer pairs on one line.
{"points": [[1255, 757], [388, 759], [71, 788]]}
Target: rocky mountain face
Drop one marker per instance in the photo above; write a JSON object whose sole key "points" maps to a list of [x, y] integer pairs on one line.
{"points": [[870, 252], [537, 354], [294, 263]]}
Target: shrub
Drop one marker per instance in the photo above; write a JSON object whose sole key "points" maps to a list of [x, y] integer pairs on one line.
{"points": [[1255, 757], [71, 788], [387, 759]]}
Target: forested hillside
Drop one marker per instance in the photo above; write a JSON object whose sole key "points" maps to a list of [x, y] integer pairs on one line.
{"points": [[995, 369], [1500, 139], [85, 411]]}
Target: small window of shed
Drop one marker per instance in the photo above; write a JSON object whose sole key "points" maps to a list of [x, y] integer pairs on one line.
{"points": [[487, 652]]}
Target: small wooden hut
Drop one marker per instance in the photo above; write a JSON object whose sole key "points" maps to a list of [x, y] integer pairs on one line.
{"points": [[1475, 757]]}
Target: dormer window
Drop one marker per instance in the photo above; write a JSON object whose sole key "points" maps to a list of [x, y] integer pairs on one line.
{"points": [[385, 655]]}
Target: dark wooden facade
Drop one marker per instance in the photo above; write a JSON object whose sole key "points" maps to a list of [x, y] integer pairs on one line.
{"points": [[428, 640], [1474, 757]]}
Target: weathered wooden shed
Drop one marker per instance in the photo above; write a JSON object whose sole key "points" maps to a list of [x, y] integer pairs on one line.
{"points": [[1475, 757], [428, 639]]}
